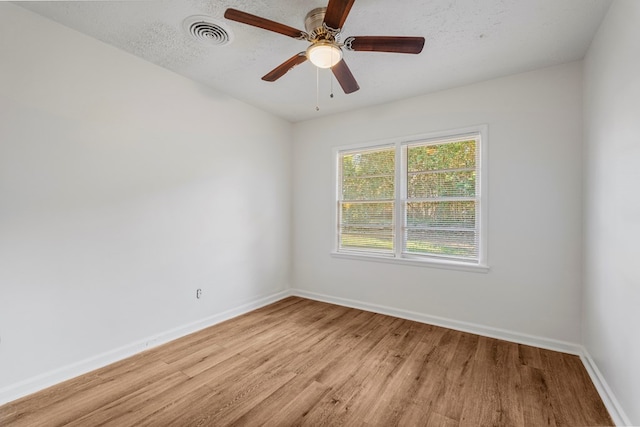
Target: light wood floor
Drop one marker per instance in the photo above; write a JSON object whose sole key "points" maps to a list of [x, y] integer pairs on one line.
{"points": [[302, 362]]}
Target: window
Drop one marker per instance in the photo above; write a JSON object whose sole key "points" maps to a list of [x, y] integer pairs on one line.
{"points": [[416, 200], [367, 204]]}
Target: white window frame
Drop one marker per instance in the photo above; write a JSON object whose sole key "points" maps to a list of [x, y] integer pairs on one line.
{"points": [[400, 190]]}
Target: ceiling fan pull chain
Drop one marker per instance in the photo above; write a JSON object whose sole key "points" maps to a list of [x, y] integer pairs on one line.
{"points": [[331, 80], [331, 77], [317, 89]]}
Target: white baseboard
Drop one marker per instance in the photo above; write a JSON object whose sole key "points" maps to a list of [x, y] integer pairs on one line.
{"points": [[474, 328], [40, 382], [608, 398]]}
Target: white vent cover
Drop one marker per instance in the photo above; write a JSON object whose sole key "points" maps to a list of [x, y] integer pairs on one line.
{"points": [[207, 30]]}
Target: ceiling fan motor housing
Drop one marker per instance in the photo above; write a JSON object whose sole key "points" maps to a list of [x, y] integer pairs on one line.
{"points": [[314, 24]]}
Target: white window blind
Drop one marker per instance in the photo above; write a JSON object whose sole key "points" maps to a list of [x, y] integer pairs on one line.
{"points": [[417, 200], [366, 200], [442, 199]]}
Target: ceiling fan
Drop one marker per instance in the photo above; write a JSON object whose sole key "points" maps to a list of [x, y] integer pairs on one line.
{"points": [[323, 26]]}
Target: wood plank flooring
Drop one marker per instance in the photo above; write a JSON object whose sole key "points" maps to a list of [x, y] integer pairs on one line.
{"points": [[302, 362]]}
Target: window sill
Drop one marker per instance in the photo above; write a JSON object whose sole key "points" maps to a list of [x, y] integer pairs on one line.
{"points": [[444, 264]]}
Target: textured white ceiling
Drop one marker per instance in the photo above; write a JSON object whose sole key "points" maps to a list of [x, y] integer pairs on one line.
{"points": [[466, 41]]}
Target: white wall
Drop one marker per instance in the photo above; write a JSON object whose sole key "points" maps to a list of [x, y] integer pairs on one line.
{"points": [[534, 246], [611, 313], [123, 188]]}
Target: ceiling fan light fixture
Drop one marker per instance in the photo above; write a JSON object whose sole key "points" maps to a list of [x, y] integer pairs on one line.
{"points": [[324, 54]]}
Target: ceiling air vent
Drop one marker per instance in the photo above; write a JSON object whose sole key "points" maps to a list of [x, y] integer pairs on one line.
{"points": [[207, 30]]}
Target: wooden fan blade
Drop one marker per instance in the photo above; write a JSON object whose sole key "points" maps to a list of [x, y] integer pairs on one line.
{"points": [[256, 21], [282, 69], [385, 44], [344, 77], [337, 11]]}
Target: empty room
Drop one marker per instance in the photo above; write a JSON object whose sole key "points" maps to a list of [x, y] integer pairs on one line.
{"points": [[327, 212]]}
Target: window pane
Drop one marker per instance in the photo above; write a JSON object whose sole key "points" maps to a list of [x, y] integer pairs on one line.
{"points": [[441, 214], [438, 171], [451, 155], [368, 163], [356, 188], [441, 242], [366, 208], [441, 184], [367, 213], [367, 226], [382, 243]]}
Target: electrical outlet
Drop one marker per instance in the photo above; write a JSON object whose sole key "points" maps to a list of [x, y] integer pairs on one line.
{"points": [[198, 293]]}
